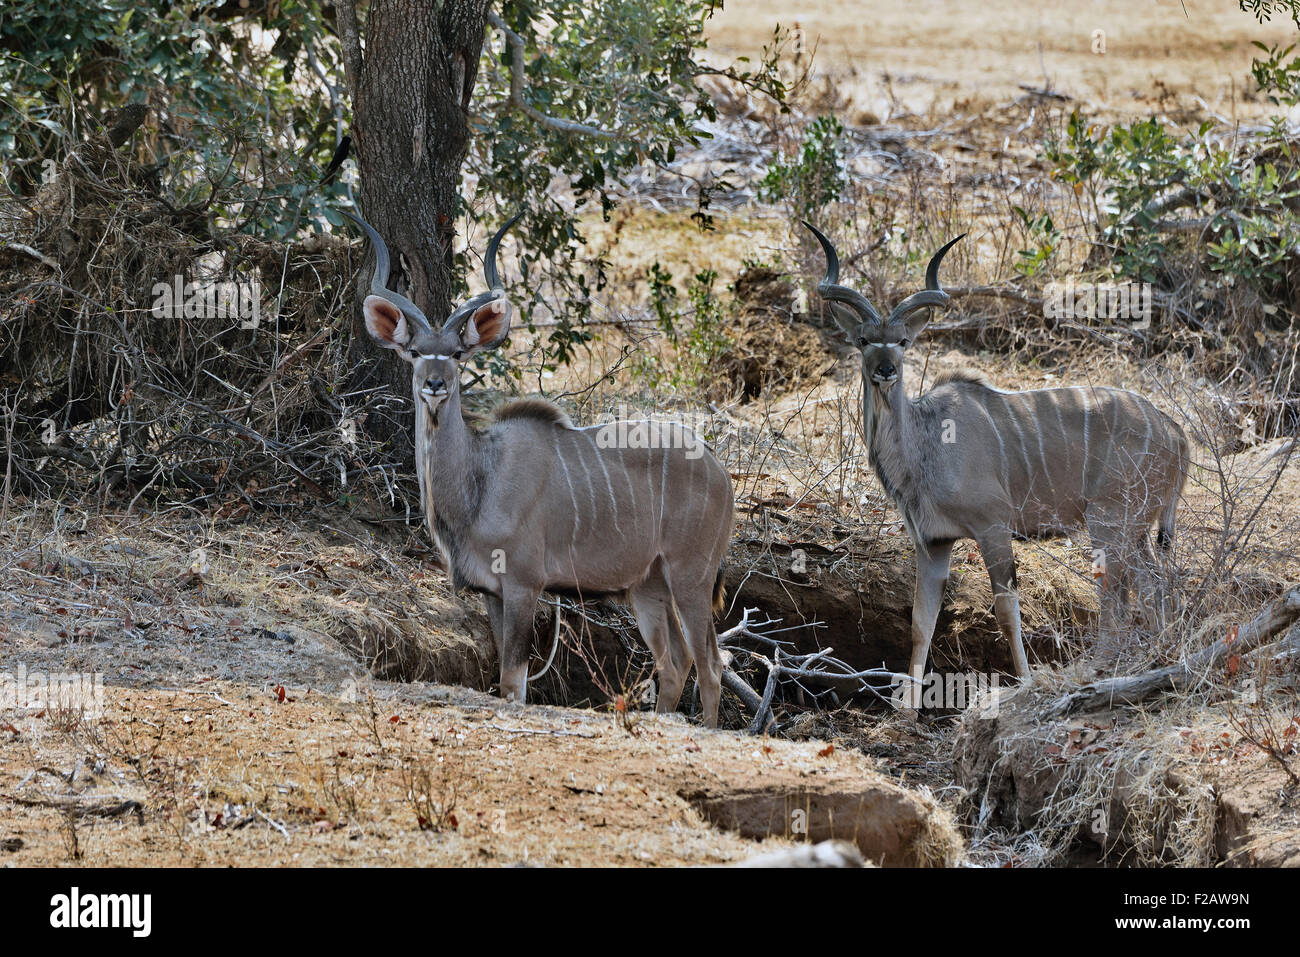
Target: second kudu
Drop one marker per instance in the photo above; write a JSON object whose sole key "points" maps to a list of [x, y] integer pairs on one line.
{"points": [[966, 460], [534, 504]]}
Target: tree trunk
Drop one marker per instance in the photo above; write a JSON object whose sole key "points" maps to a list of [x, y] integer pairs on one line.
{"points": [[410, 127]]}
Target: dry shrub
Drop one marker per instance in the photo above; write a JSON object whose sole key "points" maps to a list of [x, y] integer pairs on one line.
{"points": [[400, 636], [940, 843], [770, 351], [1118, 780], [98, 391]]}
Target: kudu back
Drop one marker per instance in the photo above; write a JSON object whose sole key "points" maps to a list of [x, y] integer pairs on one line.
{"points": [[535, 504], [966, 460]]}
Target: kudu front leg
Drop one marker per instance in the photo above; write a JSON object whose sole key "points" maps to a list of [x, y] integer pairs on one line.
{"points": [[1000, 561], [512, 629], [932, 565]]}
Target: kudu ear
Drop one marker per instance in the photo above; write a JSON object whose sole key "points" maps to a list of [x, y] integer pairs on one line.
{"points": [[386, 323], [847, 320], [915, 323], [488, 327]]}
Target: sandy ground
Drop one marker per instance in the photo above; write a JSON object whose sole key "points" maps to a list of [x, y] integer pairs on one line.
{"points": [[225, 774]]}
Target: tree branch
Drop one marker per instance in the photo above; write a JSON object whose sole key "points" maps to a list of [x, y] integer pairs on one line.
{"points": [[1178, 199], [516, 44], [350, 40], [1182, 225], [994, 292], [34, 253]]}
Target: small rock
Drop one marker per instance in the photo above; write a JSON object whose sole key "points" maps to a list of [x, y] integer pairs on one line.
{"points": [[825, 854]]}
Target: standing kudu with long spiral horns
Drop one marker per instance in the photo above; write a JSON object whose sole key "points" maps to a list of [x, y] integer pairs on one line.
{"points": [[966, 460], [534, 504]]}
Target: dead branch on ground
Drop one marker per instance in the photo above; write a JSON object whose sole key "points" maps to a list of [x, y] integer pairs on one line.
{"points": [[819, 667], [1276, 618]]}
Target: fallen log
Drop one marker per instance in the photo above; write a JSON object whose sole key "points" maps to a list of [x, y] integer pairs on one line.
{"points": [[83, 805], [1274, 619]]}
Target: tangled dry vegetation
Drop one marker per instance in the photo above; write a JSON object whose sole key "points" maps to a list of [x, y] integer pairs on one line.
{"points": [[233, 410]]}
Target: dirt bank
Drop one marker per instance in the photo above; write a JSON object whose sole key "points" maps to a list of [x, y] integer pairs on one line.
{"points": [[223, 773]]}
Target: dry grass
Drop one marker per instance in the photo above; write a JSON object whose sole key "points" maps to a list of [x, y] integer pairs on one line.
{"points": [[186, 593], [896, 58]]}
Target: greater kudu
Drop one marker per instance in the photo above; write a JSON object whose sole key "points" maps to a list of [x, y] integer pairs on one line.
{"points": [[534, 504], [966, 460]]}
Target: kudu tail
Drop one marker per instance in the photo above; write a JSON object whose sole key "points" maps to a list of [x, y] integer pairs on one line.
{"points": [[1165, 530], [720, 590]]}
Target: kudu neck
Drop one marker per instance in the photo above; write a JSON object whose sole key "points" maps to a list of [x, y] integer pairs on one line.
{"points": [[890, 432], [888, 415], [446, 461]]}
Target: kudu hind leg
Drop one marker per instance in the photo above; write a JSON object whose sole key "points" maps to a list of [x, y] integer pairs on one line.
{"points": [[695, 610], [932, 566], [652, 604], [1149, 587], [1000, 560], [1112, 564]]}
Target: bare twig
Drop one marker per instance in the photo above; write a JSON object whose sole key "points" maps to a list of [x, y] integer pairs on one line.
{"points": [[819, 667], [34, 253], [273, 822], [554, 732]]}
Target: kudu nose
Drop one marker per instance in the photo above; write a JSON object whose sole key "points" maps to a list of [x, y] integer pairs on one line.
{"points": [[434, 387], [886, 371]]}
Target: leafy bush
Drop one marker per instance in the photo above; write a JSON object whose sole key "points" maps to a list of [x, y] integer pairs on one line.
{"points": [[1277, 77], [815, 177], [1046, 238], [243, 128], [245, 108], [698, 333], [1137, 176], [250, 104]]}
